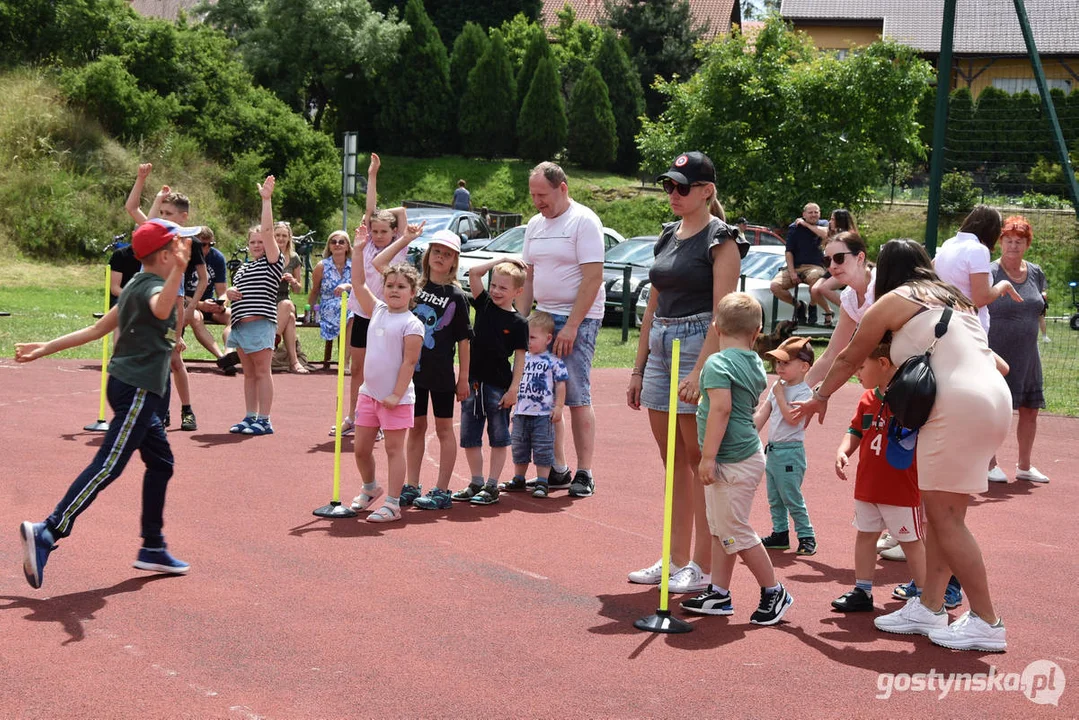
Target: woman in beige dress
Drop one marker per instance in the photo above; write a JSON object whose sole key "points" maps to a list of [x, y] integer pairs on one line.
{"points": [[969, 420]]}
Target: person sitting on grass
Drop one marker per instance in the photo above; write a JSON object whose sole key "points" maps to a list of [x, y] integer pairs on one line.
{"points": [[138, 380], [541, 396], [732, 462], [498, 332], [885, 487]]}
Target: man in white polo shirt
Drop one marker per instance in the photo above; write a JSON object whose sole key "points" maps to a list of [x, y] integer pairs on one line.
{"points": [[564, 252]]}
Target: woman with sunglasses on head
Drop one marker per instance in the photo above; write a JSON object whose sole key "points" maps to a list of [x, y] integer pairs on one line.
{"points": [[286, 309], [825, 292], [698, 261], [335, 269]]}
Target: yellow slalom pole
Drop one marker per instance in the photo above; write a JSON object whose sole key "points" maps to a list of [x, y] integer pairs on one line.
{"points": [[102, 425], [663, 621], [335, 508]]}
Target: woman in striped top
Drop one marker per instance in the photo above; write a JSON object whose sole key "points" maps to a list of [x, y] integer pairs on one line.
{"points": [[254, 318]]}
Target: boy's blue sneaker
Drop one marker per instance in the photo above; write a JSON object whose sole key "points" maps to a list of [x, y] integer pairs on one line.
{"points": [[259, 427], [906, 591], [159, 560], [409, 493], [953, 595], [37, 543], [436, 499]]}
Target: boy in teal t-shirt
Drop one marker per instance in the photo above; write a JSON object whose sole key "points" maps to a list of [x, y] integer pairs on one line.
{"points": [[732, 462]]}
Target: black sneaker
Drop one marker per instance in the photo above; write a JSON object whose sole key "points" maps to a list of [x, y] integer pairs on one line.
{"points": [[812, 319], [773, 606], [187, 421], [517, 484], [807, 546], [468, 493], [167, 420], [540, 490], [857, 600], [229, 361], [558, 480], [777, 541], [487, 496], [710, 602], [583, 485]]}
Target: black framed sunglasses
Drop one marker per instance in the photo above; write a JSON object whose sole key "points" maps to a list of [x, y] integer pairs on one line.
{"points": [[669, 186], [839, 258]]}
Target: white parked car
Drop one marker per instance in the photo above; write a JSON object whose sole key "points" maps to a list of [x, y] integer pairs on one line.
{"points": [[509, 245], [759, 266]]}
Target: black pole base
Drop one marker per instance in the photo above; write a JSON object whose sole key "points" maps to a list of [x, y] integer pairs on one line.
{"points": [[334, 510], [662, 622], [99, 426]]}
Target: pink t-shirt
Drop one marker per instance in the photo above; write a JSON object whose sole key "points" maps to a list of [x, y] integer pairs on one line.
{"points": [[373, 277], [959, 258], [556, 248], [386, 351]]}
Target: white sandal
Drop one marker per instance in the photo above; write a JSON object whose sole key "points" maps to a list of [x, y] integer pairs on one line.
{"points": [[386, 513], [363, 501]]}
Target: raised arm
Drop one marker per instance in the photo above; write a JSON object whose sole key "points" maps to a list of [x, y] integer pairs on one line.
{"points": [[266, 226], [359, 288], [372, 189], [388, 253], [134, 198], [477, 273]]}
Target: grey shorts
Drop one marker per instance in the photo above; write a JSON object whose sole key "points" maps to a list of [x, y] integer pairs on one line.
{"points": [[691, 330], [252, 336]]}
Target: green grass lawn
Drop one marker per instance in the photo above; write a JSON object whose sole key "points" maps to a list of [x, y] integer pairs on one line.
{"points": [[41, 312]]}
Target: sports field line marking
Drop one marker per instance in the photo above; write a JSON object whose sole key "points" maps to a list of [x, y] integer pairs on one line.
{"points": [[526, 573]]}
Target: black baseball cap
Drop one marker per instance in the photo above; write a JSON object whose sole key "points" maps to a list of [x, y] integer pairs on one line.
{"points": [[691, 167]]}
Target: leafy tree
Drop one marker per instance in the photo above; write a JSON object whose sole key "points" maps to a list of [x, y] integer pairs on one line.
{"points": [[771, 122], [958, 144], [661, 35], [517, 32], [541, 127], [450, 16], [111, 94], [538, 49], [306, 51], [487, 121], [759, 9], [468, 48], [593, 136], [575, 41], [416, 108], [67, 32], [626, 96]]}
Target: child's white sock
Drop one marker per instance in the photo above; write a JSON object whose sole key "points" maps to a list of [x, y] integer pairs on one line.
{"points": [[395, 501], [476, 480], [369, 488], [866, 585], [773, 589], [720, 590], [561, 468]]}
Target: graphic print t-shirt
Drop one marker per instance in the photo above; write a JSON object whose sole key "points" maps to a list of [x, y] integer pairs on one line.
{"points": [[876, 480], [536, 394], [443, 310]]}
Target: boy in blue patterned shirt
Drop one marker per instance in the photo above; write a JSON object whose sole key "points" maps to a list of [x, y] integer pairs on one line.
{"points": [[540, 398]]}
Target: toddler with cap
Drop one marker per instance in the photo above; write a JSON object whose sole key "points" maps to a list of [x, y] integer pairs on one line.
{"points": [[138, 380], [785, 454]]}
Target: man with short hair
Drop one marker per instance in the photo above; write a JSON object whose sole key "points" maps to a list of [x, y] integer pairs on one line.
{"points": [[209, 305], [563, 249], [805, 261]]}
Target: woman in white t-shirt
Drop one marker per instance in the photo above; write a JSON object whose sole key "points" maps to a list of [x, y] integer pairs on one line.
{"points": [[963, 261], [846, 260]]}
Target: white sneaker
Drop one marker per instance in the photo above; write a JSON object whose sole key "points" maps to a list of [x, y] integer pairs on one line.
{"points": [[912, 619], [652, 574], [970, 632], [1031, 475], [894, 553], [886, 541], [689, 579], [997, 475]]}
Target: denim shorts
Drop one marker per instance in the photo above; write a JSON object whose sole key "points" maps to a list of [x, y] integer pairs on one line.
{"points": [[480, 407], [253, 335], [691, 330], [533, 440], [579, 361]]}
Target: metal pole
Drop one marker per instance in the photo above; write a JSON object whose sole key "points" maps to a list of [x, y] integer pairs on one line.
{"points": [[940, 122], [1047, 103]]}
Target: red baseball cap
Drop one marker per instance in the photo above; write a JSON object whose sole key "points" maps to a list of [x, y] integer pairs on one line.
{"points": [[156, 233]]}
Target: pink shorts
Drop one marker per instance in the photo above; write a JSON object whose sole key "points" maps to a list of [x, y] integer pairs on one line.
{"points": [[372, 413]]}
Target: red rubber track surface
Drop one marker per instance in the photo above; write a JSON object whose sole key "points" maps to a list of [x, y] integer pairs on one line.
{"points": [[520, 609]]}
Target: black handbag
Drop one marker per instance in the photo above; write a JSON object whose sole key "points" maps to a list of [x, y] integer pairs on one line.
{"points": [[913, 389]]}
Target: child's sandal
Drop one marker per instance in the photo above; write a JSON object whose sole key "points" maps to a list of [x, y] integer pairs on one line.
{"points": [[385, 514], [517, 484], [363, 501]]}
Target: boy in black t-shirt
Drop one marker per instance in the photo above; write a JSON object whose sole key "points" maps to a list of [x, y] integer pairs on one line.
{"points": [[498, 332], [138, 379]]}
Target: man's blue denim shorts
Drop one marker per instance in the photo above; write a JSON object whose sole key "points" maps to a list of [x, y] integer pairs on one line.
{"points": [[579, 361]]}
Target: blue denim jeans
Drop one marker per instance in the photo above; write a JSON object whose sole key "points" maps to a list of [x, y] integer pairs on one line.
{"points": [[533, 440], [656, 387], [579, 361], [480, 408]]}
